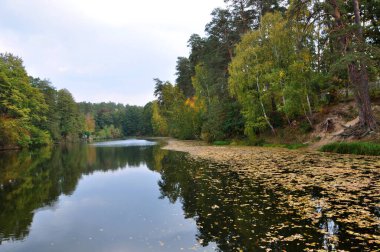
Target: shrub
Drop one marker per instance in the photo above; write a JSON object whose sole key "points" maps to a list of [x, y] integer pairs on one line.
{"points": [[358, 148], [39, 137]]}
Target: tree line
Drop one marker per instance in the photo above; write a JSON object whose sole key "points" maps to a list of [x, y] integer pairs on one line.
{"points": [[34, 113], [264, 65]]}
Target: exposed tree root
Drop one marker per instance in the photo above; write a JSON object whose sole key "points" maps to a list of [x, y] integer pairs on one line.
{"points": [[356, 131], [328, 125]]}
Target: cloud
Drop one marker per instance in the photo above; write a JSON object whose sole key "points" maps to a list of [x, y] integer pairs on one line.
{"points": [[102, 50]]}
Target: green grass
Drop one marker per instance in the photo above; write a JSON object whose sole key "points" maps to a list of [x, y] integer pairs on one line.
{"points": [[358, 148], [287, 146], [220, 143]]}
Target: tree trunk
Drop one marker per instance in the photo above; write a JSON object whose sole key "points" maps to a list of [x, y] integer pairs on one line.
{"points": [[309, 105], [286, 115], [263, 108], [359, 80], [356, 69]]}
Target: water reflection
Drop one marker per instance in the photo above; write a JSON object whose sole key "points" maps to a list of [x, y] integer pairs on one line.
{"points": [[33, 180], [239, 214], [222, 210]]}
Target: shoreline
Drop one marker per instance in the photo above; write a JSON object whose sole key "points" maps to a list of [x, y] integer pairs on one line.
{"points": [[229, 154]]}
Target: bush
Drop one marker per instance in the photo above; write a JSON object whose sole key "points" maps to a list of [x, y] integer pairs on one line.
{"points": [[109, 132], [13, 133], [305, 127], [287, 146], [256, 142], [39, 137], [358, 148]]}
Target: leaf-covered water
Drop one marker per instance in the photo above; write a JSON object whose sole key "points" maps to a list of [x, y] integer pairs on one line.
{"points": [[142, 198]]}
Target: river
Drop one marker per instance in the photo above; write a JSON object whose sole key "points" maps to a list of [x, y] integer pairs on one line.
{"points": [[131, 195]]}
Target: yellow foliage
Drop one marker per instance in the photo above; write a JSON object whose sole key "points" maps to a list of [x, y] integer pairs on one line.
{"points": [[89, 123], [194, 103], [159, 124], [190, 102]]}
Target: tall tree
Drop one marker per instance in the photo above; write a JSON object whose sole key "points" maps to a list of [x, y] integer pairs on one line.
{"points": [[351, 49], [51, 113], [357, 66], [221, 28], [247, 13], [132, 125], [184, 72], [70, 123], [22, 106], [272, 74]]}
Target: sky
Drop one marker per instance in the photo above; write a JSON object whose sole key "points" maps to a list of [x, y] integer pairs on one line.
{"points": [[102, 50]]}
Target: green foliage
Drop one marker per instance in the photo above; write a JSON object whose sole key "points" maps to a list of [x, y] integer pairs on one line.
{"points": [[51, 124], [131, 120], [258, 68], [22, 107], [174, 114], [147, 129], [39, 137], [184, 73], [287, 146], [221, 143], [159, 123], [109, 132], [358, 148], [33, 112], [212, 128], [278, 72], [18, 99], [13, 133], [270, 76], [132, 123], [305, 127], [70, 122]]}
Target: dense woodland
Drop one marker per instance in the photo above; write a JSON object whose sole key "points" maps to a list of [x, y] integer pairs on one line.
{"points": [[34, 113], [263, 65]]}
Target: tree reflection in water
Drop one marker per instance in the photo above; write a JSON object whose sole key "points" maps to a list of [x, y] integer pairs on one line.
{"points": [[32, 180], [239, 214], [235, 212]]}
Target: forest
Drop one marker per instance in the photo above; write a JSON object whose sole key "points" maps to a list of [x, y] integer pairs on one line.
{"points": [[34, 113], [263, 65], [267, 65]]}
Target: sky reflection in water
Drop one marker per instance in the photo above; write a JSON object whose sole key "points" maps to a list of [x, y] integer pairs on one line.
{"points": [[127, 196]]}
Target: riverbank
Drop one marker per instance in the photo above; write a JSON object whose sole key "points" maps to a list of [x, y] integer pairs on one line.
{"points": [[344, 189]]}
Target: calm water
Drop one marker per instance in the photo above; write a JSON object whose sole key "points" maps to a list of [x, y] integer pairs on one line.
{"points": [[132, 196]]}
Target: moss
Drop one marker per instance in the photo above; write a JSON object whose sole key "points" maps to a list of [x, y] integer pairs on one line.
{"points": [[358, 148]]}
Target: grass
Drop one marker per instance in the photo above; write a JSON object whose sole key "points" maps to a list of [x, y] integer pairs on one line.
{"points": [[262, 143], [358, 148], [220, 143], [287, 146]]}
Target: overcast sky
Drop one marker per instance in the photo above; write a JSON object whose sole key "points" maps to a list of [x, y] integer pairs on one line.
{"points": [[102, 50]]}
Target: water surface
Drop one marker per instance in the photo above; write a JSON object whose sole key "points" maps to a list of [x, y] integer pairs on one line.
{"points": [[132, 196]]}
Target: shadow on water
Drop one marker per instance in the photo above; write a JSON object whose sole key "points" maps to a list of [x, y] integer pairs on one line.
{"points": [[235, 212]]}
